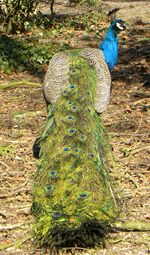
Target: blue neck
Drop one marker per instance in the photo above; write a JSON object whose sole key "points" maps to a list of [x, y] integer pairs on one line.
{"points": [[109, 47]]}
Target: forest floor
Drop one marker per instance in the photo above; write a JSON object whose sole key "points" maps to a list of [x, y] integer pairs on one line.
{"points": [[127, 121]]}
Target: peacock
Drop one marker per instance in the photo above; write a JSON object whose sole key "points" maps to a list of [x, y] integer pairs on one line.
{"points": [[73, 201]]}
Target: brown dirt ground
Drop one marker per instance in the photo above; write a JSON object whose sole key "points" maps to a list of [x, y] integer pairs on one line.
{"points": [[127, 121]]}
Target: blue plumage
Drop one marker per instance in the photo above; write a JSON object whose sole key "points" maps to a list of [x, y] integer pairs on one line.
{"points": [[109, 45]]}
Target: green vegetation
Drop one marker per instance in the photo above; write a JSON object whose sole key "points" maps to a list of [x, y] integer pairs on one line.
{"points": [[19, 15], [89, 2], [25, 53], [15, 15], [31, 51]]}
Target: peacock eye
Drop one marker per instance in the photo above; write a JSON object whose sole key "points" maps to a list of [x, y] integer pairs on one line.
{"points": [[69, 103], [74, 108], [65, 91], [48, 188], [66, 149], [53, 174], [83, 195], [72, 86], [72, 131], [57, 215], [73, 71], [70, 118], [90, 110], [120, 25]]}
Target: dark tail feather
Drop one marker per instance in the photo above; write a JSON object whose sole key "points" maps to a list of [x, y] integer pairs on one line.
{"points": [[36, 148]]}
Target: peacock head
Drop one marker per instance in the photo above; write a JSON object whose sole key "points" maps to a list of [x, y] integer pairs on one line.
{"points": [[118, 25], [109, 46]]}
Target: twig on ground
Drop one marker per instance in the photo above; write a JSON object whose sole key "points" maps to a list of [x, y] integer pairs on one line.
{"points": [[3, 215], [5, 165], [127, 134], [140, 95], [121, 239], [136, 131], [138, 101], [140, 149], [16, 192], [19, 83], [10, 227], [17, 243], [23, 185]]}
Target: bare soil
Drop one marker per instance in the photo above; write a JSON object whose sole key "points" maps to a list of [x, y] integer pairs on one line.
{"points": [[127, 121]]}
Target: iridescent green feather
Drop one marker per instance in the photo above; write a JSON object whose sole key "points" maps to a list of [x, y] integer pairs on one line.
{"points": [[72, 197]]}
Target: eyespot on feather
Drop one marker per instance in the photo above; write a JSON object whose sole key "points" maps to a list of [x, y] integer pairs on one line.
{"points": [[57, 215], [65, 92], [53, 174], [73, 71], [83, 196], [70, 118], [69, 104], [72, 86], [74, 108], [71, 131], [90, 110], [66, 149], [49, 189]]}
